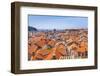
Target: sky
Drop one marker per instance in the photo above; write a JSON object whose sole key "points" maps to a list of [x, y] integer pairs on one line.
{"points": [[57, 22]]}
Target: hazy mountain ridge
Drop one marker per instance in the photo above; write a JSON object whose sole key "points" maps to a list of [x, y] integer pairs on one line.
{"points": [[30, 28]]}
